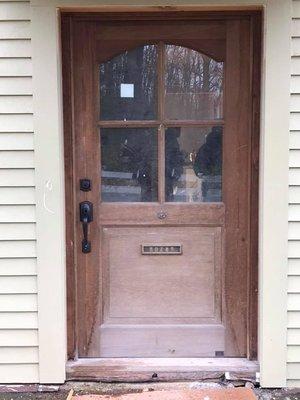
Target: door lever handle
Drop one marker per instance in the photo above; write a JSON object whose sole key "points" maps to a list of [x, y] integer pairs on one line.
{"points": [[86, 216]]}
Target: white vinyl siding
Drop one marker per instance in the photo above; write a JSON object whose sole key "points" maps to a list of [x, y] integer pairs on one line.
{"points": [[293, 334], [18, 275]]}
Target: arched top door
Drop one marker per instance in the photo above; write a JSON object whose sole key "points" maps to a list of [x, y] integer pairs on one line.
{"points": [[162, 108], [164, 268]]}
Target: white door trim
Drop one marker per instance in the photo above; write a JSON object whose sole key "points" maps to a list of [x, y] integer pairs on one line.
{"points": [[273, 203]]}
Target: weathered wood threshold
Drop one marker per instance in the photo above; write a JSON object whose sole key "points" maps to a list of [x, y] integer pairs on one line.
{"points": [[161, 369]]}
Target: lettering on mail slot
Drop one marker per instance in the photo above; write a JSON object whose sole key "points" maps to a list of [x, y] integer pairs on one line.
{"points": [[162, 249]]}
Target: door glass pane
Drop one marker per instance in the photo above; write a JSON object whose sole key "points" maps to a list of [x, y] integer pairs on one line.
{"points": [[193, 85], [129, 164], [194, 164], [128, 85]]}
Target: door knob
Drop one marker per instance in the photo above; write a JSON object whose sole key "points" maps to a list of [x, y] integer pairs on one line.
{"points": [[162, 215]]}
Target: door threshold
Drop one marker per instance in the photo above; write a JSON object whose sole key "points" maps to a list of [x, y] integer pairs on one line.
{"points": [[161, 369]]}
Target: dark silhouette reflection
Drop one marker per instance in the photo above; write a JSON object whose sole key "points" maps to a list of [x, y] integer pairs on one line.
{"points": [[194, 164], [138, 68], [174, 161], [209, 158], [208, 165], [129, 165]]}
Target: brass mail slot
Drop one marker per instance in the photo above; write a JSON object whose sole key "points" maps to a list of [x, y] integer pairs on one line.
{"points": [[162, 249]]}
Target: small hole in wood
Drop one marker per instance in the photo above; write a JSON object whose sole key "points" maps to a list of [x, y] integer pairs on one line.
{"points": [[154, 375]]}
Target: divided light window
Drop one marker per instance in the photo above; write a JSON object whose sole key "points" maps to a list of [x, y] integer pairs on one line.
{"points": [[161, 126]]}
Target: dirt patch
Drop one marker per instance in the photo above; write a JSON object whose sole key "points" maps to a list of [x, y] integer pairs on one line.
{"points": [[115, 389], [187, 394]]}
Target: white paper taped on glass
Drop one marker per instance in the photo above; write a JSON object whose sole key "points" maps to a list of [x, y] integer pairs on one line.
{"points": [[127, 90]]}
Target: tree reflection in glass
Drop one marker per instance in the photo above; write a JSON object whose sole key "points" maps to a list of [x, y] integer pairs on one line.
{"points": [[193, 85], [137, 68]]}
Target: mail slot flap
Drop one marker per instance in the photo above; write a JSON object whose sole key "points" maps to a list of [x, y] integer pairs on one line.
{"points": [[161, 249]]}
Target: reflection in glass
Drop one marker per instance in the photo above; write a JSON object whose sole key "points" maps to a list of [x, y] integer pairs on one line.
{"points": [[129, 165], [194, 164], [193, 85], [128, 85]]}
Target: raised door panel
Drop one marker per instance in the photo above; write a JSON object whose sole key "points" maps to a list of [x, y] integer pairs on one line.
{"points": [[159, 301]]}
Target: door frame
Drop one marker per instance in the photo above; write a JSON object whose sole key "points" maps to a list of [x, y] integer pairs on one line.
{"points": [[71, 180], [273, 198]]}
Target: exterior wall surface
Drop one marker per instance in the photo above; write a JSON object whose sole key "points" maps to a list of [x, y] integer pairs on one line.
{"points": [[22, 346], [18, 280], [293, 337]]}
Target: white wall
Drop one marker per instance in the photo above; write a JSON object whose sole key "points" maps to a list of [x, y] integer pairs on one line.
{"points": [[18, 281]]}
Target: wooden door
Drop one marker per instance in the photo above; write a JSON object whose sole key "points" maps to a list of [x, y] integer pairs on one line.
{"points": [[162, 129]]}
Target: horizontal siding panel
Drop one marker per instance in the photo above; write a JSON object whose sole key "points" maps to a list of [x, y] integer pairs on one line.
{"points": [[294, 158], [16, 122], [294, 176], [294, 266], [18, 284], [294, 302], [15, 48], [17, 213], [17, 249], [18, 320], [15, 85], [295, 121], [293, 354], [17, 231], [17, 159], [294, 249], [18, 266], [9, 337], [293, 383], [10, 11], [295, 140], [293, 370], [295, 102], [295, 84], [17, 195], [296, 9], [15, 67], [294, 284], [294, 319], [294, 212], [19, 373], [296, 27], [293, 336], [20, 355], [16, 141], [15, 29], [294, 194], [18, 177], [16, 104], [294, 229], [295, 65], [18, 303], [295, 46]]}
